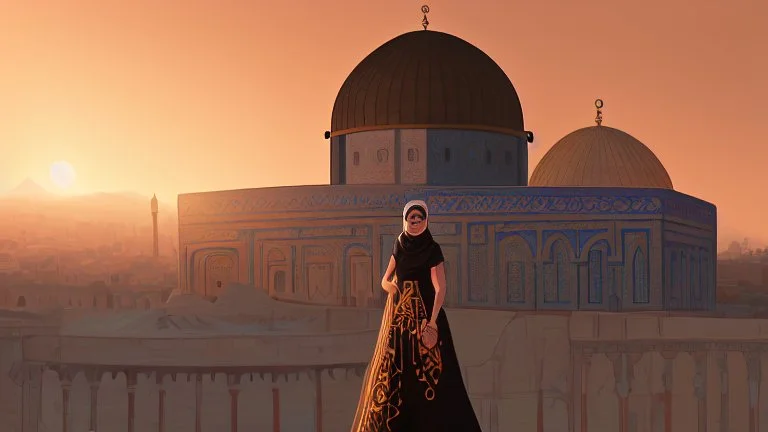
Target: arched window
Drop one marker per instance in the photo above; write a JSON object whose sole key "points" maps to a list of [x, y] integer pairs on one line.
{"points": [[21, 302], [356, 158], [674, 279], [382, 155], [683, 274], [596, 276], [704, 277], [279, 281], [447, 154], [413, 155], [556, 277], [515, 275], [488, 157], [695, 280], [561, 261], [640, 289]]}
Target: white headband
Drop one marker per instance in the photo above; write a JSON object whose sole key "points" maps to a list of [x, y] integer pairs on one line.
{"points": [[413, 203]]}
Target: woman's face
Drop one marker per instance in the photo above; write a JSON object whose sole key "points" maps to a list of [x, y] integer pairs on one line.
{"points": [[415, 223]]}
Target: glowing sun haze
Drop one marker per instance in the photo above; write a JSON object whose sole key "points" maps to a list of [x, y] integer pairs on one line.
{"points": [[62, 174], [184, 96]]}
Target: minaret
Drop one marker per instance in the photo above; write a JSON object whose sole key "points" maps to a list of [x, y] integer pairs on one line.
{"points": [[155, 246]]}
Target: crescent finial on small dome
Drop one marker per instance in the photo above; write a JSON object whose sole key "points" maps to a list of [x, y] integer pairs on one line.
{"points": [[599, 117], [425, 21]]}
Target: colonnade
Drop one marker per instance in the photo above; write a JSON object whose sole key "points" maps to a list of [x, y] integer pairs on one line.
{"points": [[29, 376], [624, 356]]}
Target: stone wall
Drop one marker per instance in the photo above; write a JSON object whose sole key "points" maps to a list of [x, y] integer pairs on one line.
{"points": [[521, 368]]}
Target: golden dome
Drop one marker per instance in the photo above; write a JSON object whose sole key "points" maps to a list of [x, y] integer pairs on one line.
{"points": [[600, 156], [426, 79]]}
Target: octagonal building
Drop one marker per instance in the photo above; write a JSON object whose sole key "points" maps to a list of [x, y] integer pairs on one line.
{"points": [[429, 116]]}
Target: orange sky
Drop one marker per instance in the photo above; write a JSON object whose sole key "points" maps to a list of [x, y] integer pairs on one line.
{"points": [[179, 96]]}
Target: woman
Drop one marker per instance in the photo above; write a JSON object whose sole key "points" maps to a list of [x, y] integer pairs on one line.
{"points": [[413, 383]]}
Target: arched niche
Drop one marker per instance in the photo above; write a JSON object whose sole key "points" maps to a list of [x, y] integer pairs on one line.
{"points": [[597, 281], [319, 280], [641, 289], [214, 269], [517, 272], [278, 272], [637, 270], [559, 284], [359, 284]]}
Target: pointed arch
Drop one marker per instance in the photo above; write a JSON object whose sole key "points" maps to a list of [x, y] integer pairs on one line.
{"points": [[277, 271], [683, 280], [695, 279], [517, 278], [704, 277], [357, 289], [597, 270], [640, 287], [557, 273]]}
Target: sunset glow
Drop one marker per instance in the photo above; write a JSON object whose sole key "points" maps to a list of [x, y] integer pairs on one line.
{"points": [[150, 96], [62, 175]]}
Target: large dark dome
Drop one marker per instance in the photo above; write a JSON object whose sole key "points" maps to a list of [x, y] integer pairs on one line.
{"points": [[427, 79]]}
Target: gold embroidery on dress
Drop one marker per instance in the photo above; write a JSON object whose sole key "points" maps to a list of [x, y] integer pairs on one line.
{"points": [[403, 315]]}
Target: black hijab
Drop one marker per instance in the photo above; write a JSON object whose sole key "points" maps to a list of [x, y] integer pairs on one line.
{"points": [[413, 253]]}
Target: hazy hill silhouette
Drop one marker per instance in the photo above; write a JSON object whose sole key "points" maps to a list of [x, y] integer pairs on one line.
{"points": [[100, 216], [28, 189]]}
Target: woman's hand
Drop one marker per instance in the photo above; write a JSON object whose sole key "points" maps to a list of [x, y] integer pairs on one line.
{"points": [[429, 334]]}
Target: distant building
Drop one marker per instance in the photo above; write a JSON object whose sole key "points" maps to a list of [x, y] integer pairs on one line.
{"points": [[8, 263]]}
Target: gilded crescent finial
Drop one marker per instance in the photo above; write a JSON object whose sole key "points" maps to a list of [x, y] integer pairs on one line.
{"points": [[599, 106]]}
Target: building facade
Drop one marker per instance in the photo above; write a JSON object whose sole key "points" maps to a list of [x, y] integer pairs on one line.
{"points": [[517, 248]]}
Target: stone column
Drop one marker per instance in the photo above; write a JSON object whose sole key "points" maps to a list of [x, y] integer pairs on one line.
{"points": [[130, 382], [496, 389], [94, 381], [318, 400], [66, 386], [754, 377], [275, 406], [623, 373], [582, 365], [198, 403], [668, 382], [700, 387], [31, 392], [160, 402], [722, 366], [233, 382]]}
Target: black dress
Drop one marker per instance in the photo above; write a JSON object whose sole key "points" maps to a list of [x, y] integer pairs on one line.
{"points": [[407, 387]]}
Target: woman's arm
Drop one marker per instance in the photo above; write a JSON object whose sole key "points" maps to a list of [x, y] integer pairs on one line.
{"points": [[438, 281], [386, 281]]}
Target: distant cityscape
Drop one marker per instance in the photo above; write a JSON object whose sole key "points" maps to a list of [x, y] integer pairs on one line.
{"points": [[104, 242], [96, 241]]}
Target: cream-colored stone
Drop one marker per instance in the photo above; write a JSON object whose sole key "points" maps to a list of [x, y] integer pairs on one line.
{"points": [[507, 357], [611, 326], [710, 328]]}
